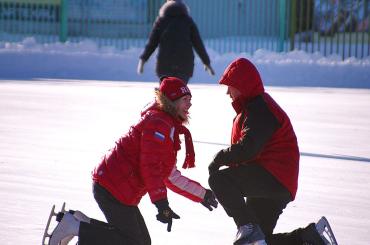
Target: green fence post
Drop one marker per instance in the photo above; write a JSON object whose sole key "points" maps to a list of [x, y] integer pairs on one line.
{"points": [[293, 21], [63, 21], [282, 15]]}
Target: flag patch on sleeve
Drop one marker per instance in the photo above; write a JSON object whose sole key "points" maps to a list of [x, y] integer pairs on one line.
{"points": [[159, 136]]}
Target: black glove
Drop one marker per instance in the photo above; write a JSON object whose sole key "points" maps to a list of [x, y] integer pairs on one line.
{"points": [[165, 213], [209, 200]]}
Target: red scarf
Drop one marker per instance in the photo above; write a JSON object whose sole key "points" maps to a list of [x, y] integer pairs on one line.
{"points": [[180, 129], [190, 154]]}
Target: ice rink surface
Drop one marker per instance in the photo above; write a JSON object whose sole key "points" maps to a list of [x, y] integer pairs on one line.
{"points": [[53, 133]]}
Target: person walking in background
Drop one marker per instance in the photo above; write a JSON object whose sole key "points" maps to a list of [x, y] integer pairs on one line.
{"points": [[142, 161], [175, 34], [262, 164]]}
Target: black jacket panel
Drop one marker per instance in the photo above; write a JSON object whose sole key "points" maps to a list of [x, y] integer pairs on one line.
{"points": [[260, 124]]}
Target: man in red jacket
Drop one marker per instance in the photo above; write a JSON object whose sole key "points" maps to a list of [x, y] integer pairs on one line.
{"points": [[263, 163], [142, 161]]}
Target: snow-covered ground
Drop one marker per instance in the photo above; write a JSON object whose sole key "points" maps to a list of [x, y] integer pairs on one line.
{"points": [[63, 106], [31, 60]]}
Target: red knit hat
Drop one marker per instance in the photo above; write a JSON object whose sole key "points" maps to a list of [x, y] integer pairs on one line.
{"points": [[173, 88]]}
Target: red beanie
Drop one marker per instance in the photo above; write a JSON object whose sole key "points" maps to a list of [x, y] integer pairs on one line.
{"points": [[174, 88]]}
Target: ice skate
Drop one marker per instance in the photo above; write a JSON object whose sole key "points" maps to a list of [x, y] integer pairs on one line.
{"points": [[325, 231], [250, 234], [319, 233], [67, 227], [66, 240], [80, 217], [47, 235]]}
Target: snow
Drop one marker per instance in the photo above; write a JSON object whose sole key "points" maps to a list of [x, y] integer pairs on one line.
{"points": [[85, 61], [63, 105]]}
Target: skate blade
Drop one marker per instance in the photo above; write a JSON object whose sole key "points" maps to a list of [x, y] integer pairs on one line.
{"points": [[47, 235], [327, 232]]}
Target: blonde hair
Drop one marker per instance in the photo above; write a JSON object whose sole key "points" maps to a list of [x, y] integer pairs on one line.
{"points": [[169, 106]]}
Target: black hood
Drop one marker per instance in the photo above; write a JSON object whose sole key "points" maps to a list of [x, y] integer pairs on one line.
{"points": [[173, 8]]}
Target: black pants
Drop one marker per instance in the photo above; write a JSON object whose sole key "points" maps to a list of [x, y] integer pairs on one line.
{"points": [[126, 225], [265, 200]]}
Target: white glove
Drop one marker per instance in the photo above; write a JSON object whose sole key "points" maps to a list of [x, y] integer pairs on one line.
{"points": [[209, 69], [140, 66]]}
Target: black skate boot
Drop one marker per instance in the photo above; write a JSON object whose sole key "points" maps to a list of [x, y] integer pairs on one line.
{"points": [[319, 234]]}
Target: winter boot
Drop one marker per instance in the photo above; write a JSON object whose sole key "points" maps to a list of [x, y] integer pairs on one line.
{"points": [[68, 226], [249, 234]]}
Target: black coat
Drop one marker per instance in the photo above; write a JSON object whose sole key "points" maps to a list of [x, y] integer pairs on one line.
{"points": [[176, 34]]}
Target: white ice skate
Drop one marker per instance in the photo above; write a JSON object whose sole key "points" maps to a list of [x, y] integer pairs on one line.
{"points": [[325, 231], [67, 227], [78, 215], [47, 235]]}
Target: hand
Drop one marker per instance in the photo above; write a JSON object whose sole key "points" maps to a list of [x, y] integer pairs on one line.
{"points": [[140, 66], [165, 213], [209, 200], [209, 69]]}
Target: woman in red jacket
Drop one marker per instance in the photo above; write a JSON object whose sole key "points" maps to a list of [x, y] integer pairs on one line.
{"points": [[142, 161], [263, 163]]}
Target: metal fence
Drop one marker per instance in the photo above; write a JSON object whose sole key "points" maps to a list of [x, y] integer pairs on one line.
{"points": [[326, 26]]}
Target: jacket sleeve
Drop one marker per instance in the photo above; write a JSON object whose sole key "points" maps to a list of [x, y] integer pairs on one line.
{"points": [[198, 44], [156, 149], [185, 186], [259, 126], [153, 40]]}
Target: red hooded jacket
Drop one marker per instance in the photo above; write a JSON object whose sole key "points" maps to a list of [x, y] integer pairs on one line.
{"points": [[262, 132], [144, 161]]}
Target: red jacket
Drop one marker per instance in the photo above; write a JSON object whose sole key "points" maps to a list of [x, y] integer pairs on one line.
{"points": [[262, 132], [144, 161]]}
